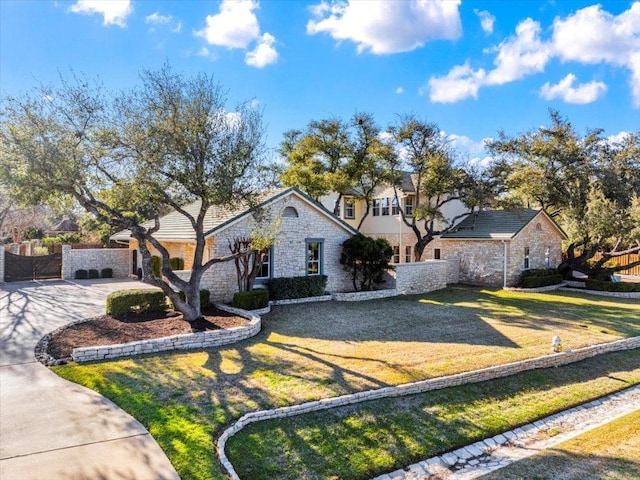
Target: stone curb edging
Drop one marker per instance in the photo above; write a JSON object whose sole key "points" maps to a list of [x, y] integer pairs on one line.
{"points": [[421, 386], [206, 339], [548, 288], [605, 294], [482, 457], [185, 341]]}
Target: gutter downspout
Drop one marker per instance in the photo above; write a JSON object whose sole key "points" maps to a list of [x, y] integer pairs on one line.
{"points": [[504, 274]]}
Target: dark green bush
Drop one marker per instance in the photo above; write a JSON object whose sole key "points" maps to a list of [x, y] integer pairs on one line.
{"points": [[252, 300], [81, 274], [138, 301], [205, 298], [176, 263], [93, 273], [156, 266], [106, 273], [540, 272], [296, 287], [604, 286], [367, 260], [542, 281]]}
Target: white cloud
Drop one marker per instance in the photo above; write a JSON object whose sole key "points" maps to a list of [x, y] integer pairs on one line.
{"points": [[399, 90], [580, 94], [387, 26], [264, 54], [521, 55], [114, 12], [460, 83], [589, 36], [159, 19], [462, 143], [235, 26], [486, 20]]}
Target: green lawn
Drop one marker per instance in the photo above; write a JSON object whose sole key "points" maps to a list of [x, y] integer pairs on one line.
{"points": [[312, 351], [611, 452]]}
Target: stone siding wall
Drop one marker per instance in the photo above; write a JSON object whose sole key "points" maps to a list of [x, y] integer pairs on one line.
{"points": [[421, 386], [481, 262], [1, 263], [118, 259], [537, 235], [289, 252], [421, 277]]}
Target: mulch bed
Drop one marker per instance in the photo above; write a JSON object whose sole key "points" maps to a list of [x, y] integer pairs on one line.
{"points": [[107, 330]]}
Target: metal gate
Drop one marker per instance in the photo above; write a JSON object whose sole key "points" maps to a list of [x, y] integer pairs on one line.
{"points": [[21, 267]]}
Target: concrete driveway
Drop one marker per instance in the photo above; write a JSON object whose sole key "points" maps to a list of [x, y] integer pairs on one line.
{"points": [[51, 428]]}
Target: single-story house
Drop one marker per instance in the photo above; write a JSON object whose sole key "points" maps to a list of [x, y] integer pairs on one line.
{"points": [[309, 241], [494, 247]]}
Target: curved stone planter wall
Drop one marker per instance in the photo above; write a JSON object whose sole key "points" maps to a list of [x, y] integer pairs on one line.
{"points": [[422, 386], [211, 338]]}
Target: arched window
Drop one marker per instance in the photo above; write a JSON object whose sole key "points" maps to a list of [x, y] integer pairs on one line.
{"points": [[289, 212]]}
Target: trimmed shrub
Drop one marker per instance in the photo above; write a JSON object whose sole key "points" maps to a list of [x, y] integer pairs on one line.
{"points": [[138, 301], [205, 298], [81, 274], [296, 287], [93, 273], [176, 263], [252, 300], [106, 273], [604, 286], [540, 272], [542, 281], [367, 260]]}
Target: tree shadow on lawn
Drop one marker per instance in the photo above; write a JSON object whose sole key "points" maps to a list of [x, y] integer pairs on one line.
{"points": [[345, 440], [543, 311]]}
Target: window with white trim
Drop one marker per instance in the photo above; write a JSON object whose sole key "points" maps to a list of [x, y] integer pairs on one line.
{"points": [[385, 207], [395, 208], [376, 207], [547, 256], [396, 254], [265, 269], [314, 247], [349, 207], [408, 254], [409, 206], [526, 258]]}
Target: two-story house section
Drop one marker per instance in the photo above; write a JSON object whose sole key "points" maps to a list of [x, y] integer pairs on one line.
{"points": [[384, 219]]}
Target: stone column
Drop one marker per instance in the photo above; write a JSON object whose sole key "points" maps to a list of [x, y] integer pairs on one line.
{"points": [[67, 263]]}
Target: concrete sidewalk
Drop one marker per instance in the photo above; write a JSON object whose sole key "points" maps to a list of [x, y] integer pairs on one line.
{"points": [[51, 428]]}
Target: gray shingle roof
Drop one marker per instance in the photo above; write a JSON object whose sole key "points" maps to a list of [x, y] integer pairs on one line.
{"points": [[492, 224]]}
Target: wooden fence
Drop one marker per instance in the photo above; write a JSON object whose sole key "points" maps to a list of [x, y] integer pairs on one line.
{"points": [[625, 260]]}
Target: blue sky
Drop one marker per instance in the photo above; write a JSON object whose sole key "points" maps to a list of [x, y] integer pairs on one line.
{"points": [[475, 68]]}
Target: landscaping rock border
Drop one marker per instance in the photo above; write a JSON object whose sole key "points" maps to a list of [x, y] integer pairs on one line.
{"points": [[209, 338], [605, 294], [421, 386], [548, 288]]}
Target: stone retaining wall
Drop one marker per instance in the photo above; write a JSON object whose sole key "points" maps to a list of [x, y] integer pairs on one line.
{"points": [[421, 277], [361, 296], [211, 338], [118, 259], [422, 386]]}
